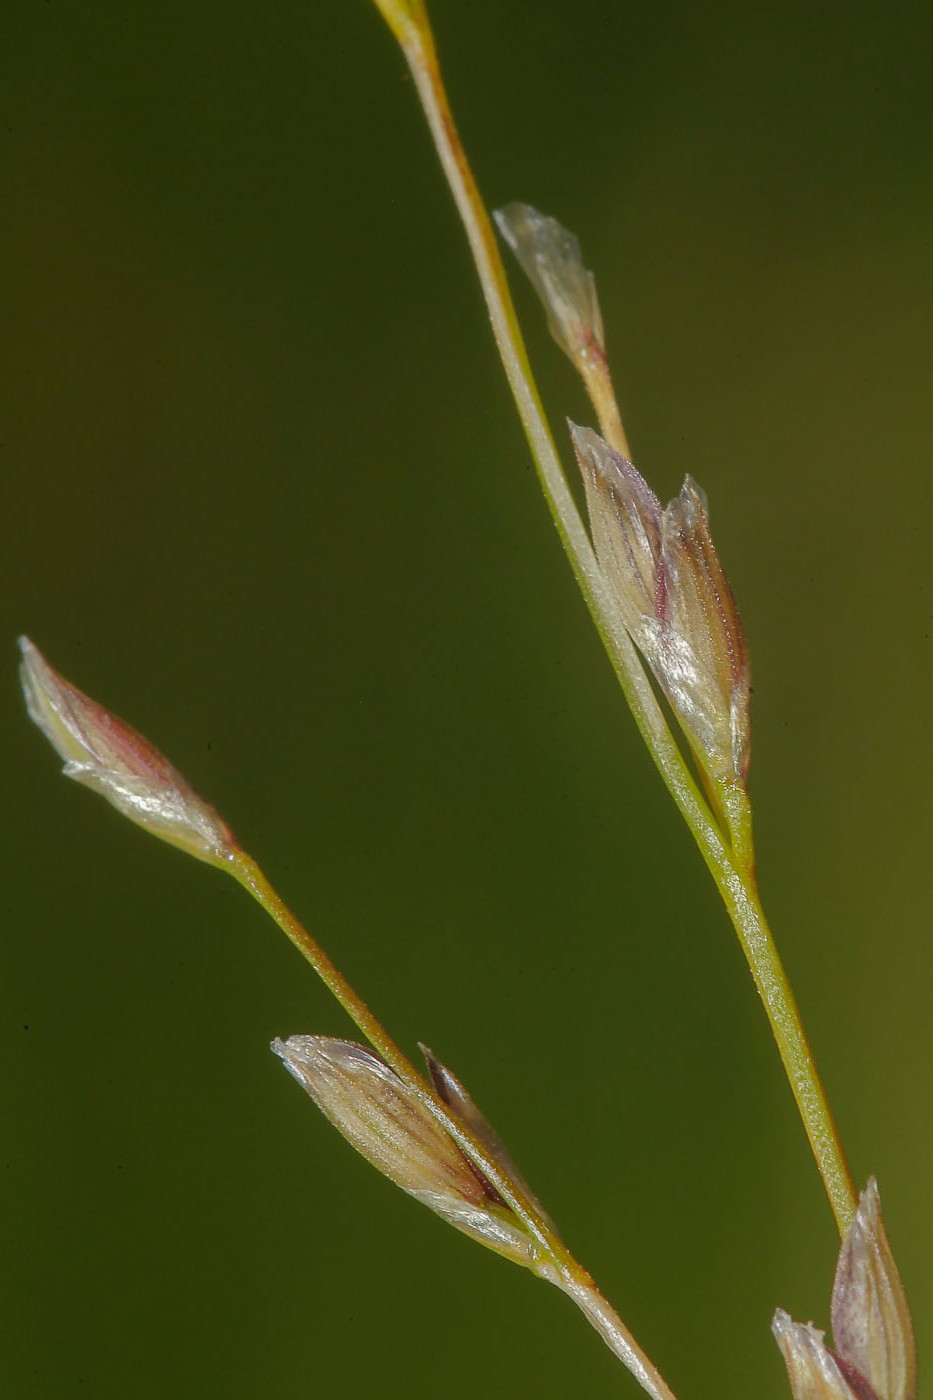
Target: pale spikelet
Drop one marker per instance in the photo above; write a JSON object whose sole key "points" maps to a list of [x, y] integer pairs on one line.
{"points": [[674, 600], [873, 1357], [448, 1087], [550, 257], [105, 754], [813, 1371], [871, 1320], [390, 1125]]}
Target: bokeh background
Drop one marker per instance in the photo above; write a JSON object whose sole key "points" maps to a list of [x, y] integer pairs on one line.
{"points": [[265, 495]]}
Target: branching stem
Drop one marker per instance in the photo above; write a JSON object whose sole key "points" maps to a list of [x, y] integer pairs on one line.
{"points": [[730, 857], [554, 1263]]}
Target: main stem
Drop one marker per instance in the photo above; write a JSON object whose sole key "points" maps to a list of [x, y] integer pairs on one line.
{"points": [[738, 887], [730, 861]]}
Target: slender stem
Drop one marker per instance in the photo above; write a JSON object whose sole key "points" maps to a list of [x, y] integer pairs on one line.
{"points": [[733, 871], [417, 42], [730, 860], [594, 370], [618, 1339], [739, 891]]}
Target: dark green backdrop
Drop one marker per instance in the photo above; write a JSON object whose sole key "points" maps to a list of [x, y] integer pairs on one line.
{"points": [[265, 495]]}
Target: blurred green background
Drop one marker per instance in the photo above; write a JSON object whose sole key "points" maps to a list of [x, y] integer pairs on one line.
{"points": [[266, 497]]}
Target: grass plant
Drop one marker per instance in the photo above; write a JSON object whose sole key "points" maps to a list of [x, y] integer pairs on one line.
{"points": [[660, 599]]}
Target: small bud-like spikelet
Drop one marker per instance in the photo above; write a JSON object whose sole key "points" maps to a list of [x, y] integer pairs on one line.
{"points": [[389, 1125], [550, 258], [873, 1357], [448, 1087], [814, 1372], [674, 600], [872, 1329], [698, 607], [105, 754]]}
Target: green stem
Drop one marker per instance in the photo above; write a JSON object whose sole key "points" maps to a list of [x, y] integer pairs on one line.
{"points": [[418, 46], [730, 860], [739, 891], [601, 1315]]}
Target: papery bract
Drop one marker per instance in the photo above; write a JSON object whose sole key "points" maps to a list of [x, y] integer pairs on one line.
{"points": [[814, 1372], [107, 755], [390, 1125], [674, 600], [873, 1357], [448, 1087], [872, 1327], [550, 257]]}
